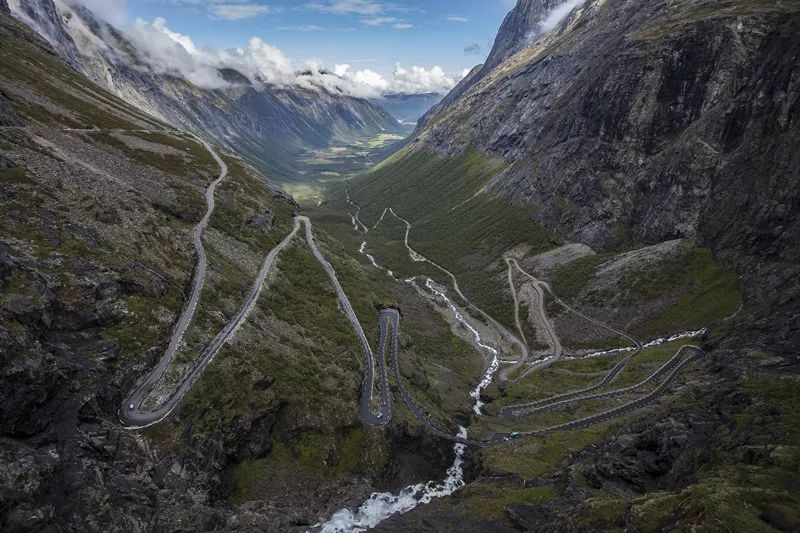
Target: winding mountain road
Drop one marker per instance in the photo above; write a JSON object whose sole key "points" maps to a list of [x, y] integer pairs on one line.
{"points": [[385, 414], [608, 378], [514, 412], [129, 413], [419, 258], [555, 342], [390, 325], [133, 417], [390, 320], [626, 408]]}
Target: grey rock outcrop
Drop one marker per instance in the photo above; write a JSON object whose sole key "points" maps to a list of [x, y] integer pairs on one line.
{"points": [[631, 117], [637, 123], [521, 27]]}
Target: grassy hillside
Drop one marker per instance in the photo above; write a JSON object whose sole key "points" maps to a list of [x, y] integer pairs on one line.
{"points": [[455, 223], [95, 265]]}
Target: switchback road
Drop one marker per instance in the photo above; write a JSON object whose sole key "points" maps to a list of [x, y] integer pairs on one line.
{"points": [[514, 412], [554, 341], [131, 413], [133, 417]]}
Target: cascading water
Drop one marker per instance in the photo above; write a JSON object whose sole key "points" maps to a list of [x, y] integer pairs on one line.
{"points": [[655, 342], [382, 505], [494, 363]]}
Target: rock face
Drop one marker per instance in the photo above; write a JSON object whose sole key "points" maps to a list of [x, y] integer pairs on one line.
{"points": [[99, 201], [240, 115], [520, 28], [630, 117], [636, 123], [633, 124]]}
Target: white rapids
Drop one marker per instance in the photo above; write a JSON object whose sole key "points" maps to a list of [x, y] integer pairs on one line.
{"points": [[382, 505], [655, 342], [363, 251], [494, 363]]}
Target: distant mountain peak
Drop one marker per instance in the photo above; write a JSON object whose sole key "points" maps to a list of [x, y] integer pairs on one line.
{"points": [[520, 28], [234, 77], [240, 110], [528, 21]]}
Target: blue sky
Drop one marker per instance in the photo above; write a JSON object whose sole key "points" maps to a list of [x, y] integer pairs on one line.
{"points": [[371, 35]]}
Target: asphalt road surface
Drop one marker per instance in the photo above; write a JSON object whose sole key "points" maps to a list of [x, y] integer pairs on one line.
{"points": [[555, 342], [385, 413], [513, 412], [133, 417], [131, 413]]}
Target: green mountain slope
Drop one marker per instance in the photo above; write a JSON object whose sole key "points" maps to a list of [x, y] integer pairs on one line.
{"points": [[99, 202]]}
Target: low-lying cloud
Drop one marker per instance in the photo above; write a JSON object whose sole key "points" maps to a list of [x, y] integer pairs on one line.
{"points": [[556, 15], [169, 52], [420, 80], [159, 48]]}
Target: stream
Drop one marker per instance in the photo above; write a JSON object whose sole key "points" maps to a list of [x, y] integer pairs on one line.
{"points": [[382, 505]]}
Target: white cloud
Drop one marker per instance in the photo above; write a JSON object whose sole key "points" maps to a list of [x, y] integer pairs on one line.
{"points": [[394, 22], [455, 18], [414, 80], [238, 11], [558, 14], [305, 28], [113, 11], [166, 51], [379, 21], [420, 80], [362, 83], [343, 7], [169, 52], [227, 9]]}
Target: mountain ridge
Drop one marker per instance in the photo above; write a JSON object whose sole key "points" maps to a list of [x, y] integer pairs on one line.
{"points": [[593, 245], [101, 206], [521, 27], [630, 127], [242, 117]]}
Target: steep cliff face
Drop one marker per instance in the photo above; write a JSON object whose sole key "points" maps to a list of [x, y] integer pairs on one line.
{"points": [[631, 124], [632, 117], [268, 124], [521, 27], [636, 123]]}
